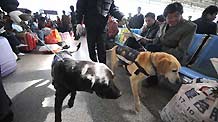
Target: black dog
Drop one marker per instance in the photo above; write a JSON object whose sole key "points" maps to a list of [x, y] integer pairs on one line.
{"points": [[70, 76]]}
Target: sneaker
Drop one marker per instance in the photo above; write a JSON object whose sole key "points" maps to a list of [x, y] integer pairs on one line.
{"points": [[22, 45], [20, 54]]}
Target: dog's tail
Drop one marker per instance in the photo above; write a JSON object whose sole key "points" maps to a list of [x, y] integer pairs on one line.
{"points": [[114, 59]]}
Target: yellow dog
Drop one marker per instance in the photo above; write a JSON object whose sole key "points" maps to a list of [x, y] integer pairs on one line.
{"points": [[140, 64]]}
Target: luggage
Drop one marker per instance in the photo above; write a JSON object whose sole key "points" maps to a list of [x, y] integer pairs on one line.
{"points": [[7, 58], [30, 39], [53, 38]]}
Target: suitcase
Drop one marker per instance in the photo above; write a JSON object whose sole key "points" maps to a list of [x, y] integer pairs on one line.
{"points": [[31, 40], [53, 38]]}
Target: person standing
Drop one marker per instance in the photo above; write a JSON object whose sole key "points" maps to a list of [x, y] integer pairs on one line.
{"points": [[65, 20], [138, 20], [95, 14], [205, 24], [73, 20]]}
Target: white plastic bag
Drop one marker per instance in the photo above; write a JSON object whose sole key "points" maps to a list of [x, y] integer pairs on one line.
{"points": [[196, 102]]}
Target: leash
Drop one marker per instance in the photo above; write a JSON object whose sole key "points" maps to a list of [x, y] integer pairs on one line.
{"points": [[24, 25]]}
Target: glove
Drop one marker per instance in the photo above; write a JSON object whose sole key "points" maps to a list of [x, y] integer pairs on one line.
{"points": [[80, 31], [14, 15]]}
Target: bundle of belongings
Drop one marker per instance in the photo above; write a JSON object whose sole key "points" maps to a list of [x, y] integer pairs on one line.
{"points": [[195, 102]]}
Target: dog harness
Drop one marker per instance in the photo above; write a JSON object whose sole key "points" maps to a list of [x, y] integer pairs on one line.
{"points": [[131, 55]]}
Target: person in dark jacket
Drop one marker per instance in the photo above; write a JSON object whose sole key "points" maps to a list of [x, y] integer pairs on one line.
{"points": [[73, 19], [6, 114], [95, 14], [149, 31], [137, 20], [205, 24]]}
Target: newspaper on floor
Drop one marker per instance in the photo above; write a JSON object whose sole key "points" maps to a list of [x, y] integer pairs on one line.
{"points": [[196, 102]]}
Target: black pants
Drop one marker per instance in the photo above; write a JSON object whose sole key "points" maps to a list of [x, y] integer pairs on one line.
{"points": [[13, 41], [96, 41], [5, 101]]}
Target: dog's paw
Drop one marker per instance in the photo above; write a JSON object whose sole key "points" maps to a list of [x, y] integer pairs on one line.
{"points": [[137, 108]]}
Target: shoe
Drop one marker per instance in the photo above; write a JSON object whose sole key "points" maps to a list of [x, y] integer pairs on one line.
{"points": [[22, 45], [20, 54]]}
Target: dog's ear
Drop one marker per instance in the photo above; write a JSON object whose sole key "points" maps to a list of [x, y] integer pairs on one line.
{"points": [[163, 65]]}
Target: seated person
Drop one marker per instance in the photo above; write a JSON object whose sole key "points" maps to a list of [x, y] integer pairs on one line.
{"points": [[205, 24], [160, 19], [174, 36], [149, 31], [9, 34]]}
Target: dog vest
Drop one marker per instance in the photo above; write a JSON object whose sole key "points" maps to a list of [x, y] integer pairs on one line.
{"points": [[127, 53]]}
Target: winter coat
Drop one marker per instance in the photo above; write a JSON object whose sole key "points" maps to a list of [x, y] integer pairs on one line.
{"points": [[150, 32], [204, 26], [96, 13], [175, 40]]}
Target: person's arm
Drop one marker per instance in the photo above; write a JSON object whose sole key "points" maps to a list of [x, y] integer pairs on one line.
{"points": [[214, 29], [180, 50], [9, 5], [114, 11], [80, 10]]}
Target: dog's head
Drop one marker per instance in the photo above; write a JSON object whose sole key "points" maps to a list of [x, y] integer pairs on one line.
{"points": [[102, 79], [168, 66]]}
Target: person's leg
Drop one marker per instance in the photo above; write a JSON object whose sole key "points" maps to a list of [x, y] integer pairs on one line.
{"points": [[13, 41], [91, 41], [153, 48], [6, 114], [101, 50], [41, 36]]}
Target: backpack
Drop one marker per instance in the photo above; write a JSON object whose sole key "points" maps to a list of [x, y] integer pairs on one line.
{"points": [[112, 27]]}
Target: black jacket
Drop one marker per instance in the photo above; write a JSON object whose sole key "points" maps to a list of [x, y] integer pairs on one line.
{"points": [[137, 21], [150, 32], [205, 26], [8, 5], [96, 13]]}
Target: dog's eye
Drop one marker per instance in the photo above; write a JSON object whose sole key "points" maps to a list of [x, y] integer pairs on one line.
{"points": [[174, 70]]}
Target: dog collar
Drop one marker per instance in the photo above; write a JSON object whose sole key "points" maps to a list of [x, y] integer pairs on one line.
{"points": [[142, 70]]}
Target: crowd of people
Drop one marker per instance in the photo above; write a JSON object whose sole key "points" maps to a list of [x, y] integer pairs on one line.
{"points": [[169, 32]]}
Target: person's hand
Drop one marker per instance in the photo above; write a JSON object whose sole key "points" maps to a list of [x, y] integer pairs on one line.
{"points": [[80, 30], [14, 15], [144, 40]]}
